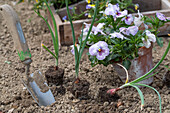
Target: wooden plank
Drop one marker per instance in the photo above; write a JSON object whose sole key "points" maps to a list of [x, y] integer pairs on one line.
{"points": [[148, 5], [68, 40]]}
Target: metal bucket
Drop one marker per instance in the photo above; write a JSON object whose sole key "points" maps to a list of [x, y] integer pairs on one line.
{"points": [[139, 66]]}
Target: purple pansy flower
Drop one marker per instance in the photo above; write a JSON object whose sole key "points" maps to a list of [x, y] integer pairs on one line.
{"points": [[88, 6], [70, 7], [128, 19], [86, 14], [123, 30], [72, 48], [138, 20], [161, 16], [64, 18], [150, 37], [100, 50], [132, 30], [117, 35], [119, 14], [114, 10], [109, 10], [97, 29]]}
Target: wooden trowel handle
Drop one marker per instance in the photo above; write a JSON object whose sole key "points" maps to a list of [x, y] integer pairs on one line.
{"points": [[14, 26]]}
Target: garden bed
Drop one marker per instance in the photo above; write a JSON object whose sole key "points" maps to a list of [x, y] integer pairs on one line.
{"points": [[64, 28], [16, 98]]}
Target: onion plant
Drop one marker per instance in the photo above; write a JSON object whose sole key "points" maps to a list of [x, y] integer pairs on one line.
{"points": [[135, 83], [54, 37], [79, 51]]}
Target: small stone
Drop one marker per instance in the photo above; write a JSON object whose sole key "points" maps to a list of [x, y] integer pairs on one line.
{"points": [[126, 110], [149, 109], [152, 111], [70, 96], [80, 105], [167, 111], [106, 104], [76, 100], [88, 108], [19, 108]]}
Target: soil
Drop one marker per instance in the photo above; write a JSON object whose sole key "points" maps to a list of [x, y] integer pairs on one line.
{"points": [[15, 98], [80, 89], [166, 78], [54, 76]]}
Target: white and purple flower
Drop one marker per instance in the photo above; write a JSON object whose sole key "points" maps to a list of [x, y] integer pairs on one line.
{"points": [[130, 30], [114, 10], [72, 48], [100, 50], [88, 6], [138, 20], [128, 19], [117, 35], [119, 14], [98, 28], [149, 38], [161, 16], [64, 18]]}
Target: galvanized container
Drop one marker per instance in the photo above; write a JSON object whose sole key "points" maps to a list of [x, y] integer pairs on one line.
{"points": [[139, 66]]}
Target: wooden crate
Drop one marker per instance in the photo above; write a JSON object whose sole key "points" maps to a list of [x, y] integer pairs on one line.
{"points": [[64, 28]]}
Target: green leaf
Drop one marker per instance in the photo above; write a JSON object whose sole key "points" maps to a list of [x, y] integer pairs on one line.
{"points": [[101, 20], [112, 57], [159, 41], [167, 67], [160, 106], [126, 64], [56, 57], [140, 94]]}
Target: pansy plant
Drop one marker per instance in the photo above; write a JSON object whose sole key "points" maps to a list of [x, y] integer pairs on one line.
{"points": [[120, 37], [124, 34]]}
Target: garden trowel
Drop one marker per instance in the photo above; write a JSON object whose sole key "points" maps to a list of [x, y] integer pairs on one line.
{"points": [[34, 82]]}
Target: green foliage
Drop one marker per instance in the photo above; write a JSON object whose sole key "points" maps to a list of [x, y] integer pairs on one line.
{"points": [[135, 83], [124, 50], [78, 54], [54, 37]]}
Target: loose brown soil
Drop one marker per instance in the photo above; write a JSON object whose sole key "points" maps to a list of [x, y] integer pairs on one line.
{"points": [[54, 76], [80, 89], [14, 97]]}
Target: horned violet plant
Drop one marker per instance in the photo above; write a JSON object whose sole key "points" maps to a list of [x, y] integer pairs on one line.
{"points": [[123, 34]]}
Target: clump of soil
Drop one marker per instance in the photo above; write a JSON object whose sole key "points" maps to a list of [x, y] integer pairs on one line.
{"points": [[54, 76], [80, 89], [103, 96], [166, 79]]}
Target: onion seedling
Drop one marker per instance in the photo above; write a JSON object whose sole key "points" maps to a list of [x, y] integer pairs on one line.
{"points": [[54, 37], [79, 51], [135, 83]]}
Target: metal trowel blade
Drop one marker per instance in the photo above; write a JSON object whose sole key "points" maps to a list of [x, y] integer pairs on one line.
{"points": [[41, 89]]}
